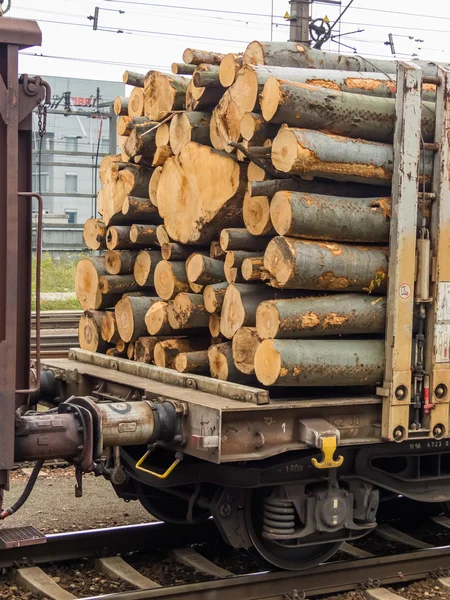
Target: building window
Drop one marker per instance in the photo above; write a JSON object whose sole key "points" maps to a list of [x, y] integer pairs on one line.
{"points": [[71, 143], [50, 141], [71, 216], [71, 183], [45, 182], [104, 147]]}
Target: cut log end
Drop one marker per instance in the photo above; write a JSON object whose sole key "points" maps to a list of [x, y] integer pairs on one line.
{"points": [[256, 213], [270, 98], [109, 328], [267, 320], [136, 103], [192, 362], [244, 346], [228, 68], [281, 212], [214, 325], [94, 232], [218, 356], [153, 185], [279, 258], [286, 150], [267, 363], [156, 319], [89, 332]]}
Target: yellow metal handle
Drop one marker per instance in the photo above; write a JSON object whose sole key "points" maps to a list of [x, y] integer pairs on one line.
{"points": [[329, 445], [158, 475]]}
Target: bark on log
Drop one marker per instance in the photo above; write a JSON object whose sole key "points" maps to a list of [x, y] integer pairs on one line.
{"points": [[244, 346], [229, 68], [183, 69], [215, 251], [115, 353], [94, 234], [235, 258], [252, 269], [200, 192], [308, 265], [144, 267], [206, 78], [161, 235], [130, 351], [163, 94], [121, 347], [157, 319], [140, 209], [295, 54], [142, 140], [143, 234], [187, 311], [161, 155], [193, 362], [117, 284], [214, 325], [256, 130], [89, 331], [124, 126], [174, 251], [133, 78], [240, 304], [120, 262], [320, 362], [189, 127], [87, 274], [165, 352], [118, 238], [153, 186], [120, 106], [136, 102], [317, 217], [131, 181], [109, 331], [170, 279], [242, 239], [192, 56], [342, 113], [109, 167], [222, 365], [130, 316], [336, 314], [256, 173], [315, 154], [204, 270], [144, 348], [213, 296], [225, 120]]}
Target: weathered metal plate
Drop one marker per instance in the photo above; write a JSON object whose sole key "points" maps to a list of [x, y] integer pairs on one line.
{"points": [[16, 537]]}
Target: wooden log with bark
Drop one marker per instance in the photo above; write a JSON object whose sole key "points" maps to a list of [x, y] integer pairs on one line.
{"points": [[120, 262], [244, 346], [192, 56], [133, 78], [166, 351], [145, 266], [87, 275], [120, 106], [118, 238], [163, 94], [242, 239], [256, 215], [204, 270], [187, 311], [182, 69], [214, 325], [136, 102], [170, 279], [153, 185], [142, 140], [222, 365], [144, 348], [256, 130], [326, 266], [89, 331], [252, 269], [229, 68], [130, 316], [94, 234], [140, 210], [130, 350], [157, 319], [193, 362], [213, 296], [189, 127], [143, 234], [109, 331], [175, 251]]}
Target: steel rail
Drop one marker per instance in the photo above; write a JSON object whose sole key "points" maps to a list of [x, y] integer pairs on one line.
{"points": [[329, 578], [73, 545]]}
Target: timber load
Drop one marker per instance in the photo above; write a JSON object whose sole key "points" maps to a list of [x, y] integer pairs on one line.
{"points": [[243, 227]]}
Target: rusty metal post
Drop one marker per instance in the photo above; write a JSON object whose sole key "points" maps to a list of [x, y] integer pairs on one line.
{"points": [[402, 261], [17, 100], [437, 356]]}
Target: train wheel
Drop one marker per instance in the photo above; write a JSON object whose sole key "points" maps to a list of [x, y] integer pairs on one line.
{"points": [[171, 509], [285, 554]]}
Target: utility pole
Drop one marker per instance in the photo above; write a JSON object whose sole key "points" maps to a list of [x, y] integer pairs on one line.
{"points": [[300, 15]]}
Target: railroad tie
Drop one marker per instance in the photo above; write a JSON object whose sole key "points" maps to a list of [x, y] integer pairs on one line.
{"points": [[354, 551], [442, 521], [35, 580], [117, 568], [191, 558], [381, 594], [443, 582]]}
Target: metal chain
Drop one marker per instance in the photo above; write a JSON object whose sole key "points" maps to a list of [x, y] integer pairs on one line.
{"points": [[42, 119]]}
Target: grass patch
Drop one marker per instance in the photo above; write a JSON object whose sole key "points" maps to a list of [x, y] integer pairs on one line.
{"points": [[57, 275]]}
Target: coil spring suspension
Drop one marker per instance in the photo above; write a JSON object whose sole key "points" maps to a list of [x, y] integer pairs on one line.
{"points": [[279, 518]]}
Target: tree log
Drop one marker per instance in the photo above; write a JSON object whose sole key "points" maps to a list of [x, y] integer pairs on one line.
{"points": [[136, 102], [130, 316], [213, 296], [161, 155], [320, 362], [256, 173], [117, 284], [222, 365], [143, 234], [174, 251], [342, 113], [120, 106], [336, 314], [144, 267], [225, 121], [121, 346], [118, 238], [153, 185], [187, 311], [161, 235], [215, 251], [233, 274], [140, 209], [256, 130], [130, 351], [244, 346], [204, 270], [165, 352], [142, 141], [193, 362], [87, 275], [189, 127], [162, 135], [229, 68], [120, 262], [242, 239], [183, 69], [318, 217], [252, 269], [109, 167], [124, 126], [202, 98], [94, 234], [240, 304], [163, 94], [214, 325], [235, 258], [199, 57], [89, 331], [315, 154], [308, 265], [144, 348], [109, 331], [115, 352], [157, 320], [200, 192], [133, 78], [170, 279]]}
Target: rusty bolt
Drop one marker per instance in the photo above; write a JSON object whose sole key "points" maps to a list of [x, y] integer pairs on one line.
{"points": [[401, 392], [438, 430], [441, 391], [399, 433]]}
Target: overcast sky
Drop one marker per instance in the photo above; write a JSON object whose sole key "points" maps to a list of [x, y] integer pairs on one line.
{"points": [[156, 33]]}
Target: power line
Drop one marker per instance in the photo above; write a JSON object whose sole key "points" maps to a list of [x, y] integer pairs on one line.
{"points": [[433, 30], [93, 60], [397, 12]]}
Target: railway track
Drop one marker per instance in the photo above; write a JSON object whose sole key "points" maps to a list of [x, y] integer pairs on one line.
{"points": [[59, 333], [119, 555]]}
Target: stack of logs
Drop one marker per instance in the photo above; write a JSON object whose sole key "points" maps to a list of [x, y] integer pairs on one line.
{"points": [[238, 237]]}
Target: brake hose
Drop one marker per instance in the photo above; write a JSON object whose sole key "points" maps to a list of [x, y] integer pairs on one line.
{"points": [[26, 492]]}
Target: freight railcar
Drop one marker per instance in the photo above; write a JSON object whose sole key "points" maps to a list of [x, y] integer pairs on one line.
{"points": [[290, 475]]}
